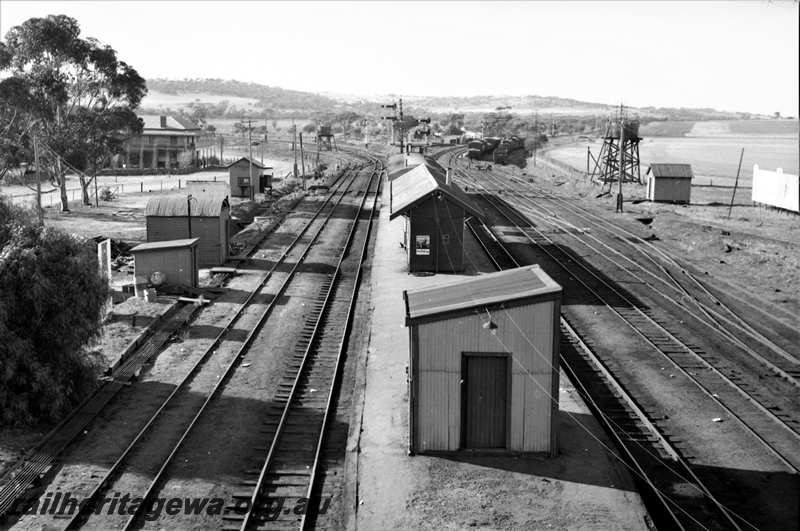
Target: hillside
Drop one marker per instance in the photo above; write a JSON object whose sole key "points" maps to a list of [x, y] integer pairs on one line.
{"points": [[219, 98]]}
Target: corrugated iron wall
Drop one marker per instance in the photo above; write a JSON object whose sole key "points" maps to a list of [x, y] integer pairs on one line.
{"points": [[441, 345], [210, 250], [176, 264]]}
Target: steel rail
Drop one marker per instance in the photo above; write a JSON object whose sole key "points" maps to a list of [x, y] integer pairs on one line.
{"points": [[647, 319], [613, 428], [200, 363], [268, 462]]}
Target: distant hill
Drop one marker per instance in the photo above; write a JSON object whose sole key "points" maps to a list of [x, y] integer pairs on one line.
{"points": [[217, 98], [225, 97]]}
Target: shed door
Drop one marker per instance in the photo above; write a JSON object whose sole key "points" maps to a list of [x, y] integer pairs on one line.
{"points": [[485, 401]]}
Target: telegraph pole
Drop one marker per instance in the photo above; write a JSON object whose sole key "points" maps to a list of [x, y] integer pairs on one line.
{"points": [[250, 157], [621, 157], [535, 135], [294, 150], [402, 129], [302, 161]]}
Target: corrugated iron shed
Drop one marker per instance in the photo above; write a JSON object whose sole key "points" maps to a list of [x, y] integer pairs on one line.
{"points": [[671, 171], [480, 291], [415, 186], [206, 205]]}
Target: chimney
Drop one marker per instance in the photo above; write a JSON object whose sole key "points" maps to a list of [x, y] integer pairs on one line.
{"points": [[163, 122], [448, 179]]}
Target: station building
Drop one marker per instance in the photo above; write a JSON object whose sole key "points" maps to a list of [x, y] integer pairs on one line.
{"points": [[435, 210], [206, 217], [483, 367]]}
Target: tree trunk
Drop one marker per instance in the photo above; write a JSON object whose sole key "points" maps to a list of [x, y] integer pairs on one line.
{"points": [[62, 184], [85, 189]]}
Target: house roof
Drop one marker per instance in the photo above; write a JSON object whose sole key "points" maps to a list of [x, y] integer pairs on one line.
{"points": [[167, 244], [411, 187], [246, 161], [174, 123], [203, 205], [673, 171], [478, 292]]}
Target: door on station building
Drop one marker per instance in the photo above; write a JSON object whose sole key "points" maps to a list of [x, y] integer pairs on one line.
{"points": [[484, 400]]}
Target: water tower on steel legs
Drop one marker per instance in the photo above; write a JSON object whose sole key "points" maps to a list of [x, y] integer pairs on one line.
{"points": [[609, 166]]}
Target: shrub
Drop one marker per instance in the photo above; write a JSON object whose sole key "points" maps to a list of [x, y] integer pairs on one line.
{"points": [[107, 194], [51, 296]]}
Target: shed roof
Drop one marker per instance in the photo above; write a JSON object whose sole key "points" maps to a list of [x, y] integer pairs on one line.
{"points": [[411, 187], [166, 244], [672, 171], [484, 290], [247, 161], [203, 205]]}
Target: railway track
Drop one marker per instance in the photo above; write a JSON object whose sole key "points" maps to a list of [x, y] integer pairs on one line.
{"points": [[37, 466], [776, 432], [747, 406], [783, 359], [676, 497], [304, 406]]}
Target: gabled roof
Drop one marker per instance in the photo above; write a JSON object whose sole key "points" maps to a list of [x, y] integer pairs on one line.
{"points": [[479, 292], [166, 244], [672, 171], [176, 123], [203, 205], [411, 187], [246, 161]]}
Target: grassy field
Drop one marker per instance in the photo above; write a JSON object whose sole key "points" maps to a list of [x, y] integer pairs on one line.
{"points": [[712, 148], [672, 128], [162, 99]]}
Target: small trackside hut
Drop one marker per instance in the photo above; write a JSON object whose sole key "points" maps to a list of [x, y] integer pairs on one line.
{"points": [[206, 217], [175, 260], [669, 183], [435, 211], [483, 368]]}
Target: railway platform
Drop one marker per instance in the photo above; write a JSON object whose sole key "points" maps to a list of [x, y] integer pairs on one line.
{"points": [[583, 487]]}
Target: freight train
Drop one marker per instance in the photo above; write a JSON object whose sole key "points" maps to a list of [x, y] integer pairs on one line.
{"points": [[494, 149]]}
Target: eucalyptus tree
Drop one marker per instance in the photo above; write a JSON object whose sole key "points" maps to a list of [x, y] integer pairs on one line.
{"points": [[81, 97]]}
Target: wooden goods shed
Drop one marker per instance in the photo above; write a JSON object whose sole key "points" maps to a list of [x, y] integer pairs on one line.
{"points": [[435, 211], [670, 183], [176, 260], [206, 217], [239, 174], [483, 368]]}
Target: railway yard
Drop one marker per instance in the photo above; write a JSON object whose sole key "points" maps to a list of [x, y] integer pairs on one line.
{"points": [[283, 401]]}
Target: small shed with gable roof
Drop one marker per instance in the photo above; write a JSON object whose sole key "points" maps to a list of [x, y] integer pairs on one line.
{"points": [[204, 216], [240, 181], [435, 210], [670, 183], [483, 363]]}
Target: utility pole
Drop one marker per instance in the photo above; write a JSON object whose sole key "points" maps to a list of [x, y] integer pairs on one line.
{"points": [[39, 211], [736, 184], [621, 148], [250, 158], [302, 161], [535, 135], [402, 129], [294, 150]]}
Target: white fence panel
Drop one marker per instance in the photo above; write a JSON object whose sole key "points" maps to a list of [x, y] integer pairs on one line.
{"points": [[775, 188]]}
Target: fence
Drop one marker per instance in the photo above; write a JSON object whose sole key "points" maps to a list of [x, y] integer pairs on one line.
{"points": [[776, 189], [53, 197]]}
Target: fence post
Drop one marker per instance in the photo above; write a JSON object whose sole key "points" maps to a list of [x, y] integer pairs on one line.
{"points": [[141, 186], [179, 184]]}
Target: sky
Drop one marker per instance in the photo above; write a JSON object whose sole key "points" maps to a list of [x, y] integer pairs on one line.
{"points": [[734, 56]]}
